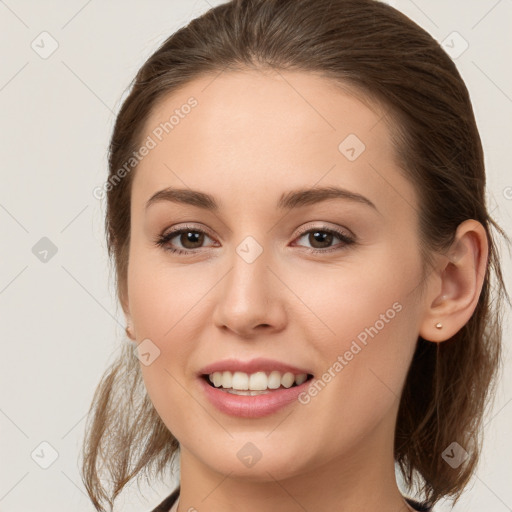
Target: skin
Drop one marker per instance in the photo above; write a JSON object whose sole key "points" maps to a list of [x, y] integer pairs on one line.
{"points": [[253, 137]]}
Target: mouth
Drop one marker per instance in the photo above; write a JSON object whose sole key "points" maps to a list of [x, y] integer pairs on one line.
{"points": [[258, 383]]}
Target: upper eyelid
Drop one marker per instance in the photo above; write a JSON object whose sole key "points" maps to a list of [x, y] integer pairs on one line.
{"points": [[341, 230], [187, 227], [302, 230]]}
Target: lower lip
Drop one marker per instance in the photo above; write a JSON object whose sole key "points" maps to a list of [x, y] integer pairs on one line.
{"points": [[253, 406]]}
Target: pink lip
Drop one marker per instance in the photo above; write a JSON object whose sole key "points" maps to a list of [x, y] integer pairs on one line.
{"points": [[252, 406], [254, 365]]}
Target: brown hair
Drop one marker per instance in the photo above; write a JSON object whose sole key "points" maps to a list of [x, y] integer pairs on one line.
{"points": [[378, 51]]}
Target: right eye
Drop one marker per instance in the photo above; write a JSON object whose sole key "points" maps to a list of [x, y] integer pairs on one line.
{"points": [[190, 238]]}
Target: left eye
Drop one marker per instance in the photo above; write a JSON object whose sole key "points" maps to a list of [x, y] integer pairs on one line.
{"points": [[324, 236]]}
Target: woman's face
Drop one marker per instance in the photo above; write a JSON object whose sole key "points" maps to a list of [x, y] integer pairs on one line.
{"points": [[265, 274]]}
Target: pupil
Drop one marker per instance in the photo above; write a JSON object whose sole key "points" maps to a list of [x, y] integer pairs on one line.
{"points": [[322, 236], [192, 237]]}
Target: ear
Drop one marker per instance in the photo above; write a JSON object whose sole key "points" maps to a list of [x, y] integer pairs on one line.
{"points": [[129, 328], [123, 299], [453, 293]]}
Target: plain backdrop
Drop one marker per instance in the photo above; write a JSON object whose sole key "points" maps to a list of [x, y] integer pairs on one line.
{"points": [[61, 325]]}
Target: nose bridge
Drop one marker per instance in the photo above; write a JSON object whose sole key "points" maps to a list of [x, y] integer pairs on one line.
{"points": [[250, 295], [248, 280]]}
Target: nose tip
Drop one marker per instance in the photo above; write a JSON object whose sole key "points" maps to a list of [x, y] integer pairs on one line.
{"points": [[250, 299]]}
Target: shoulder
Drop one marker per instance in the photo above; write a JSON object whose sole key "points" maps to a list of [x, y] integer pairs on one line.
{"points": [[168, 502]]}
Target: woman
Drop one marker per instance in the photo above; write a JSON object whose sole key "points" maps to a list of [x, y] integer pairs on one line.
{"points": [[296, 213]]}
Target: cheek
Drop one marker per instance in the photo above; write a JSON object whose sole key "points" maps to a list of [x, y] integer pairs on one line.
{"points": [[163, 298], [165, 315], [370, 289], [366, 331], [168, 306]]}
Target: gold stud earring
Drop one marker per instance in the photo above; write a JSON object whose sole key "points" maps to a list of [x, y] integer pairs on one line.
{"points": [[439, 325]]}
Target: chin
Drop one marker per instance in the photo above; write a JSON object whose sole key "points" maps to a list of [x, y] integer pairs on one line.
{"points": [[252, 458]]}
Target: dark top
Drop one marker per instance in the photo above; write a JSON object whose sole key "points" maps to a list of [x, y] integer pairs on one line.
{"points": [[169, 502], [166, 505]]}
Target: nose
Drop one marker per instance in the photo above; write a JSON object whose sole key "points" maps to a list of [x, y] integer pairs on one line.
{"points": [[251, 298]]}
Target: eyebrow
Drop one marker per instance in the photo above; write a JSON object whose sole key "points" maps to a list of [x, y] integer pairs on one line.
{"points": [[287, 201]]}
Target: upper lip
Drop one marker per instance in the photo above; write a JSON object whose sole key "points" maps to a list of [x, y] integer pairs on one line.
{"points": [[251, 366]]}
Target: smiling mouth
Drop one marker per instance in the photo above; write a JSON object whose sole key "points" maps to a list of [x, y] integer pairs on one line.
{"points": [[240, 383]]}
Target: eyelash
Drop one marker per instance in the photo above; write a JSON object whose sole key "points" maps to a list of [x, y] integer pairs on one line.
{"points": [[163, 240]]}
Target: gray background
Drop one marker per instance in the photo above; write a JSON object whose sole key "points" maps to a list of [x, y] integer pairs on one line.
{"points": [[60, 321]]}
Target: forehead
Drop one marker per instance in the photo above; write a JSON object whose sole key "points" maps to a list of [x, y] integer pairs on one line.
{"points": [[242, 134]]}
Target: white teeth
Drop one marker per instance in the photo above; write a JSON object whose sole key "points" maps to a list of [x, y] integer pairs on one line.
{"points": [[274, 380], [240, 381], [226, 379], [246, 393], [258, 381], [217, 379], [299, 379], [287, 380]]}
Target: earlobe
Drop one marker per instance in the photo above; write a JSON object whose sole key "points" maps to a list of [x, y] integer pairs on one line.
{"points": [[126, 309], [453, 295], [128, 330], [129, 325]]}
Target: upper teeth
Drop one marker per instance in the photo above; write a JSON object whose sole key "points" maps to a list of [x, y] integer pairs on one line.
{"points": [[256, 381]]}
